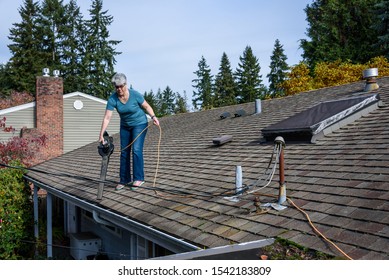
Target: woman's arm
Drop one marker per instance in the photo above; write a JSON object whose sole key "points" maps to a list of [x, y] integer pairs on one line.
{"points": [[150, 111], [104, 124]]}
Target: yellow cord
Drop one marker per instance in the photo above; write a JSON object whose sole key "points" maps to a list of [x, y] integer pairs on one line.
{"points": [[317, 231], [135, 138], [310, 223]]}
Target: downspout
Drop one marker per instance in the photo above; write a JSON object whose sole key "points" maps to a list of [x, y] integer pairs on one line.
{"points": [[99, 220], [49, 209]]}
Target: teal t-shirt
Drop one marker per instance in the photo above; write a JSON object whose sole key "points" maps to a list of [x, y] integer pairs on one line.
{"points": [[131, 113]]}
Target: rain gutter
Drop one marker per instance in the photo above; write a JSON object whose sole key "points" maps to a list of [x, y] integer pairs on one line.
{"points": [[167, 241]]}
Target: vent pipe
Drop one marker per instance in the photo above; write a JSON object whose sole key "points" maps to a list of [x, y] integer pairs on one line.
{"points": [[370, 76], [238, 180], [282, 190], [46, 72], [258, 106], [56, 73]]}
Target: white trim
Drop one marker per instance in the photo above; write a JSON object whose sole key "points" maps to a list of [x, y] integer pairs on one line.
{"points": [[227, 249], [17, 108], [32, 104], [77, 93]]}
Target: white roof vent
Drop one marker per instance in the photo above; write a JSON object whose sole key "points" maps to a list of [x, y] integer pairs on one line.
{"points": [[370, 76], [46, 72]]}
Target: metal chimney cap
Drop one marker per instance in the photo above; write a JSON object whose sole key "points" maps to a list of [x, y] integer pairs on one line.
{"points": [[370, 73], [46, 72], [56, 73]]}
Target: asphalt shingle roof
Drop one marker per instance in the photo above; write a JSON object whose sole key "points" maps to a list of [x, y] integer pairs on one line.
{"points": [[341, 181]]}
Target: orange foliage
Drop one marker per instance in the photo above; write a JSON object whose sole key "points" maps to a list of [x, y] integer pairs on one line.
{"points": [[298, 80], [328, 74]]}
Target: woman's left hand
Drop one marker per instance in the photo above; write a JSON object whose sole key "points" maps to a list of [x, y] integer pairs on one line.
{"points": [[156, 121]]}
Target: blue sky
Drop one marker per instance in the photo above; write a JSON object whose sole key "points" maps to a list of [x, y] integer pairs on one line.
{"points": [[163, 40]]}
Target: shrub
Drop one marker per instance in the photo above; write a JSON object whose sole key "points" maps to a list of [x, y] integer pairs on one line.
{"points": [[16, 214]]}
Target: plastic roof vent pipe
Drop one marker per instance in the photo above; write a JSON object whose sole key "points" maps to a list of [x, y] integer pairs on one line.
{"points": [[370, 76], [238, 179], [258, 106]]}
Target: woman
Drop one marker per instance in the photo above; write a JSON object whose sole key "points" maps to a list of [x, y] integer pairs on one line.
{"points": [[133, 124]]}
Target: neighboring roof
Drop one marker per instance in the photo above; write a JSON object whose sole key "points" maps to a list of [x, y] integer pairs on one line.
{"points": [[341, 181]]}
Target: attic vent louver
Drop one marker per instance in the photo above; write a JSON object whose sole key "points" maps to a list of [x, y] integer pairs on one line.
{"points": [[225, 115], [240, 113], [321, 119]]}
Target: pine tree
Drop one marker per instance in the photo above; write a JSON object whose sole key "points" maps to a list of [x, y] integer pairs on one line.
{"points": [[278, 70], [249, 82], [181, 104], [225, 87], [100, 53], [339, 29], [153, 102], [27, 58], [381, 26], [202, 98], [5, 80], [73, 49], [51, 24], [167, 102]]}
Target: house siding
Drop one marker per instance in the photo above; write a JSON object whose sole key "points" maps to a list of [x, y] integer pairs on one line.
{"points": [[82, 126], [17, 119]]}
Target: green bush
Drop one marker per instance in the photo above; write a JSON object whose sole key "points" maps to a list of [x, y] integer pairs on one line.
{"points": [[16, 214]]}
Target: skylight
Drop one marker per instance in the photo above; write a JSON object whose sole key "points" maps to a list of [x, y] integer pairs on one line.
{"points": [[321, 119]]}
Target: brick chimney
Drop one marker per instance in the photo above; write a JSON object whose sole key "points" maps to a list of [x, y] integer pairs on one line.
{"points": [[49, 114]]}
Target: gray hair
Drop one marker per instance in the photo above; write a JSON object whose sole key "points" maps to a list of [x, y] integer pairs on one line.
{"points": [[119, 79]]}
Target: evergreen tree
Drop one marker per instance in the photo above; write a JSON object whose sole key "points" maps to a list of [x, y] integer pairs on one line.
{"points": [[51, 21], [181, 103], [27, 57], [100, 52], [151, 99], [5, 80], [339, 29], [278, 70], [167, 102], [249, 82], [225, 87], [381, 26], [202, 98], [73, 49], [158, 103]]}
